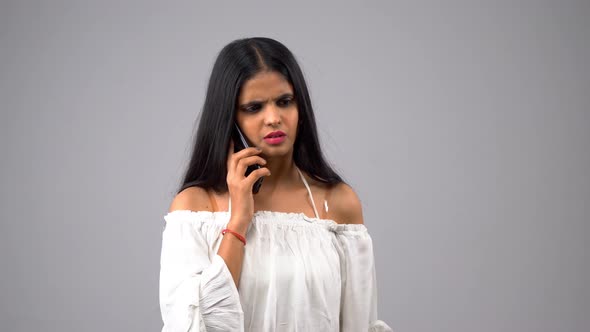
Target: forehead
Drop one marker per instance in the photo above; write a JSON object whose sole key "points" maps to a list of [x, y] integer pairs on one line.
{"points": [[263, 86]]}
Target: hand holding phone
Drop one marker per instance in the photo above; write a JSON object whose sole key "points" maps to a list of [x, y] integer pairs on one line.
{"points": [[240, 144]]}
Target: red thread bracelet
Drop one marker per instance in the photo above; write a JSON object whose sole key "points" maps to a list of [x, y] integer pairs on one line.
{"points": [[240, 237]]}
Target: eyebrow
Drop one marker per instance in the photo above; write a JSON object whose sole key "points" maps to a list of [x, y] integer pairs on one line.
{"points": [[254, 102]]}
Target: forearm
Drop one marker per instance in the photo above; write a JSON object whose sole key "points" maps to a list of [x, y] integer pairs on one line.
{"points": [[231, 249]]}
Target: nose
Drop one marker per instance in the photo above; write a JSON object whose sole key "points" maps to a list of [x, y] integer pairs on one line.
{"points": [[272, 116]]}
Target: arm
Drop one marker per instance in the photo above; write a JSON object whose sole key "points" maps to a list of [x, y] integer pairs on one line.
{"points": [[197, 291], [358, 307], [231, 249]]}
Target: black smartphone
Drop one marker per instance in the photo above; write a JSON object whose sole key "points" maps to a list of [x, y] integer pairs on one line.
{"points": [[240, 144]]}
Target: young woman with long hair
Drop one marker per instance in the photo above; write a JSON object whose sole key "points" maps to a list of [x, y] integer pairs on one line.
{"points": [[295, 255]]}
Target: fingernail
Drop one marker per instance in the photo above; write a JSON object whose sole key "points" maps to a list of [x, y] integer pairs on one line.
{"points": [[259, 149]]}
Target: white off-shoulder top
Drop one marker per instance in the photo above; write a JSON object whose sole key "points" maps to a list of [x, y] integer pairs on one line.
{"points": [[298, 274]]}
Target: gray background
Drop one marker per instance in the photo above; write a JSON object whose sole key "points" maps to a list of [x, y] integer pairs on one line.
{"points": [[462, 126]]}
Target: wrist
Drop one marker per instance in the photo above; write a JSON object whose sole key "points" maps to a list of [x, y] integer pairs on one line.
{"points": [[238, 227], [237, 235]]}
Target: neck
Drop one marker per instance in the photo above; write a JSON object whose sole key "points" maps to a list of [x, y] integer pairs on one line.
{"points": [[283, 175]]}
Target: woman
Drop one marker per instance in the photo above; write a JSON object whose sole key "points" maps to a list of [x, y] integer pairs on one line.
{"points": [[300, 270]]}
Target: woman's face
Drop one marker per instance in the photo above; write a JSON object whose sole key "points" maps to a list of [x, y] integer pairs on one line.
{"points": [[267, 104]]}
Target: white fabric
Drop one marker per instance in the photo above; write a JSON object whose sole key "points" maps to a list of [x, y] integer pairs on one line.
{"points": [[197, 292], [298, 274]]}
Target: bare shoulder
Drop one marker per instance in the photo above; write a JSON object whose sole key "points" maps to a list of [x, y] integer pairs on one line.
{"points": [[192, 198], [345, 205]]}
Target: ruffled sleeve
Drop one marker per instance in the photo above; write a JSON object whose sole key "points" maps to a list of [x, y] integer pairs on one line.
{"points": [[358, 307], [197, 292]]}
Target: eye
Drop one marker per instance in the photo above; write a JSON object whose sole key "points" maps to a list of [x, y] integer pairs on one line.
{"points": [[252, 108], [285, 102]]}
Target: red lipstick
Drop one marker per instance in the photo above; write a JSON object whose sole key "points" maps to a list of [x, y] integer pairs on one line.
{"points": [[275, 137]]}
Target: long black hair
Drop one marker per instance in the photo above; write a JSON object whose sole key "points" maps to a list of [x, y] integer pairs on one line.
{"points": [[237, 62]]}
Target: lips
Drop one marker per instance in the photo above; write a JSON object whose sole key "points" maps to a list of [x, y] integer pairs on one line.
{"points": [[274, 134]]}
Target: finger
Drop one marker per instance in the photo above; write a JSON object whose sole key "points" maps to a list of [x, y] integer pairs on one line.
{"points": [[247, 161], [250, 150], [263, 171], [247, 152]]}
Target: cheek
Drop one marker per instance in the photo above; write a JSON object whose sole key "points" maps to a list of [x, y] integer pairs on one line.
{"points": [[239, 119], [295, 117], [247, 126]]}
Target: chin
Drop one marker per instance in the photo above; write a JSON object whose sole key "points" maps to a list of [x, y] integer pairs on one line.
{"points": [[276, 151]]}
